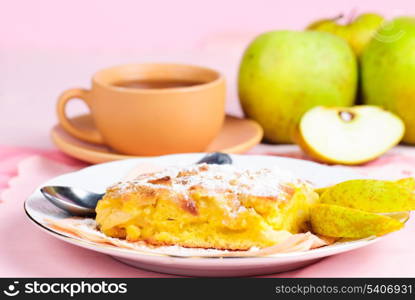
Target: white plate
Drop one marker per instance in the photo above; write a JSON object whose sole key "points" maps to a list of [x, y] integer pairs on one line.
{"points": [[98, 177]]}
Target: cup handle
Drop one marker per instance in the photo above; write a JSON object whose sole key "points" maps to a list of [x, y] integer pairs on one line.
{"points": [[65, 97]]}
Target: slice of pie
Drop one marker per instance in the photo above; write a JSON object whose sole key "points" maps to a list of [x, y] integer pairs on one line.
{"points": [[207, 206]]}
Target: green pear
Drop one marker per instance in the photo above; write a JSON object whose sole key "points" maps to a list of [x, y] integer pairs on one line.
{"points": [[408, 182], [357, 32], [378, 196], [388, 71], [285, 73], [337, 221]]}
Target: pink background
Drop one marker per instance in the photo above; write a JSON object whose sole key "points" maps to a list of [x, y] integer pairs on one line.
{"points": [[47, 46], [145, 25]]}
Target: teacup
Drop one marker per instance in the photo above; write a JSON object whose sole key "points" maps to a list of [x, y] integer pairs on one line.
{"points": [[151, 109]]}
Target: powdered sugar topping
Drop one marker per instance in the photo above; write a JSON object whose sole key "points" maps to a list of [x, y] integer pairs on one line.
{"points": [[216, 179]]}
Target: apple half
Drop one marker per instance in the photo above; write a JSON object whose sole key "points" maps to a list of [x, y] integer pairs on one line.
{"points": [[348, 135]]}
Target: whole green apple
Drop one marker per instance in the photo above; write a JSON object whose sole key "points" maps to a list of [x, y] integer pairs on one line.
{"points": [[357, 32], [388, 71], [285, 73]]}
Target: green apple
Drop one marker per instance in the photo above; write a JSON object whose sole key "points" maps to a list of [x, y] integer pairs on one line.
{"points": [[357, 32], [388, 71], [348, 135], [285, 73]]}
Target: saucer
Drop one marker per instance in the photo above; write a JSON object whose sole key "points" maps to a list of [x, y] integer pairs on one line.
{"points": [[237, 136]]}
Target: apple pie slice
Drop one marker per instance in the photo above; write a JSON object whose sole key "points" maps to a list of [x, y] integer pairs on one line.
{"points": [[207, 206]]}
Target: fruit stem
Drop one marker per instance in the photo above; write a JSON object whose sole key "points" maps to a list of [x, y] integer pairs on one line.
{"points": [[351, 16], [338, 17]]}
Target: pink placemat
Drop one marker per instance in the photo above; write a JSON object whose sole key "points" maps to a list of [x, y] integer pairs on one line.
{"points": [[26, 251]]}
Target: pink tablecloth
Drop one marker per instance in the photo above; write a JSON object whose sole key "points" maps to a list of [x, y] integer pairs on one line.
{"points": [[26, 251]]}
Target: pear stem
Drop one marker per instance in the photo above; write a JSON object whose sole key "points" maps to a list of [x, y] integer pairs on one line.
{"points": [[338, 17], [352, 16]]}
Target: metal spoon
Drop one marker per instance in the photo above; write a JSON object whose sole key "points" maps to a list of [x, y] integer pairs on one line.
{"points": [[76, 201], [79, 202]]}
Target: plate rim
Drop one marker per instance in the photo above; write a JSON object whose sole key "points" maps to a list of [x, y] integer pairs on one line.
{"points": [[93, 156]]}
